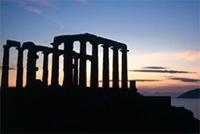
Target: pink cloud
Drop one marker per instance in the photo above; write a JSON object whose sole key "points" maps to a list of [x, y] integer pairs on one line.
{"points": [[27, 5], [40, 12], [33, 9], [183, 55], [33, 6], [191, 54]]}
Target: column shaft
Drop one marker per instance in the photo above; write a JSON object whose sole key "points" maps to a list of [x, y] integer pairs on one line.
{"points": [[55, 66], [105, 66], [76, 71], [94, 66], [68, 47], [20, 68], [45, 69], [31, 66], [82, 78], [5, 68], [115, 68], [124, 69]]}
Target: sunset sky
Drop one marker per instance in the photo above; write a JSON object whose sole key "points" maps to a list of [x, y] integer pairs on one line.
{"points": [[163, 36]]}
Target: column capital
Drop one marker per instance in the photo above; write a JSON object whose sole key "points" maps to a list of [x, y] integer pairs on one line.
{"points": [[12, 43], [124, 50], [55, 45], [88, 57], [94, 42], [115, 47], [45, 52], [82, 41], [28, 45], [6, 46], [19, 48], [106, 45], [66, 40], [75, 54], [61, 39]]}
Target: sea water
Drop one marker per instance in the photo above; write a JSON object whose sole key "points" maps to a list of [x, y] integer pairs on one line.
{"points": [[191, 104]]}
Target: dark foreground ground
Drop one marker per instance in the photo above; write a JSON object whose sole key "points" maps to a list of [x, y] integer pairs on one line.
{"points": [[91, 110]]}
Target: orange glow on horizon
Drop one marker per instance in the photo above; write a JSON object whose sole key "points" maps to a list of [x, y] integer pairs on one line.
{"points": [[161, 83]]}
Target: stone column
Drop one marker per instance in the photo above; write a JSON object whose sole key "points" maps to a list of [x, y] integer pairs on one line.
{"points": [[115, 67], [20, 68], [45, 68], [124, 68], [75, 71], [94, 66], [82, 77], [31, 64], [105, 66], [55, 65], [68, 49], [5, 68]]}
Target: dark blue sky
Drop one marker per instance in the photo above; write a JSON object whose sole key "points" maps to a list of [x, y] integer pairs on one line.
{"points": [[161, 24]]}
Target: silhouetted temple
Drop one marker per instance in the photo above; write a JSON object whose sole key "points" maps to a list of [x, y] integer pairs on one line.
{"points": [[72, 76], [74, 107]]}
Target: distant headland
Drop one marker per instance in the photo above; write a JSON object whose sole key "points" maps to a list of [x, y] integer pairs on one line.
{"points": [[193, 94]]}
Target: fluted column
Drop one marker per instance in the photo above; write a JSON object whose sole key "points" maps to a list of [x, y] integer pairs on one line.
{"points": [[82, 78], [45, 68], [68, 47], [124, 68], [20, 68], [55, 65], [105, 66], [5, 68], [75, 71], [94, 66], [115, 67]]}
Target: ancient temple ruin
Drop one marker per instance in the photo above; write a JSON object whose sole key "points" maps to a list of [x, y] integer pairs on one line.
{"points": [[106, 109], [75, 72]]}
